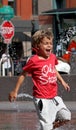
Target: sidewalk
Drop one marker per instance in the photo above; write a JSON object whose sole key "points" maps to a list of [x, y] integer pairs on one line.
{"points": [[29, 106], [21, 105]]}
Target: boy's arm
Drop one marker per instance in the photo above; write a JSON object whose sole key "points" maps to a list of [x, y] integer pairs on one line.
{"points": [[66, 86], [13, 94]]}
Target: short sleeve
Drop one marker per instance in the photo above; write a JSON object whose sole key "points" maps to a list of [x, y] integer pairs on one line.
{"points": [[29, 66], [56, 60]]}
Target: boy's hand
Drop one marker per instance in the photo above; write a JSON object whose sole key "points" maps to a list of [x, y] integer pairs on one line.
{"points": [[66, 86], [12, 96]]}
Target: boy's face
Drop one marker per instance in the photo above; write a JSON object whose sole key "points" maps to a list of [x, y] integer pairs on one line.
{"points": [[45, 47]]}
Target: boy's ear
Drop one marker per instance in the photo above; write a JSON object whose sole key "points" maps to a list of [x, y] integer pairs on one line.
{"points": [[37, 47], [34, 50]]}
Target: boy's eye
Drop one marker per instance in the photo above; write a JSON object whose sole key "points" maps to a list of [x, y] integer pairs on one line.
{"points": [[45, 43]]}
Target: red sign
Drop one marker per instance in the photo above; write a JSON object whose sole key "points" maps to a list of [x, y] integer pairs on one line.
{"points": [[7, 31]]}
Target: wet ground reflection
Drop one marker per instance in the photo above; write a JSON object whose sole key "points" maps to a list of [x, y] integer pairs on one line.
{"points": [[23, 120], [18, 120]]}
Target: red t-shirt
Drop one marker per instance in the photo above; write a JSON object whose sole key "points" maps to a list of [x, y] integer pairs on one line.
{"points": [[43, 76]]}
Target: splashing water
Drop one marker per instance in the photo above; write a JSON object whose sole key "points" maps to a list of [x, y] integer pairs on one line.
{"points": [[15, 105], [24, 95], [73, 62]]}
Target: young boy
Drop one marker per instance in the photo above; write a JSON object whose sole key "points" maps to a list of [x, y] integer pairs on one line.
{"points": [[41, 66]]}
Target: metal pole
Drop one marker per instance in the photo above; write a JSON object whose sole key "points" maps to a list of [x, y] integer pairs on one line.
{"points": [[7, 52]]}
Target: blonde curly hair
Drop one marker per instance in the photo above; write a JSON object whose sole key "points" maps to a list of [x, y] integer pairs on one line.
{"points": [[39, 35]]}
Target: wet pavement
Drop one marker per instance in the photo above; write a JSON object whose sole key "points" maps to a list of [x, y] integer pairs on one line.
{"points": [[22, 116]]}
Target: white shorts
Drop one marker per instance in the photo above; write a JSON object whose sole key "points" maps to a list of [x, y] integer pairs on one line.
{"points": [[49, 110]]}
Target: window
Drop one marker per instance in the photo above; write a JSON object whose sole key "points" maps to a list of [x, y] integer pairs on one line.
{"points": [[35, 7], [11, 3], [59, 4]]}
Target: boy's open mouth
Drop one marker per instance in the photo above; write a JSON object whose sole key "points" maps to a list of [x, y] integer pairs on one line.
{"points": [[47, 50]]}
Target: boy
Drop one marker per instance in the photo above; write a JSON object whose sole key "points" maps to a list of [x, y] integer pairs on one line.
{"points": [[41, 66]]}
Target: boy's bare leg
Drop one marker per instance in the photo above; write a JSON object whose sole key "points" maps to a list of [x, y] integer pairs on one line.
{"points": [[59, 123]]}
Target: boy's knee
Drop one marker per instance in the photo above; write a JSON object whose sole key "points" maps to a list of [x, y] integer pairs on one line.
{"points": [[64, 114], [68, 116]]}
